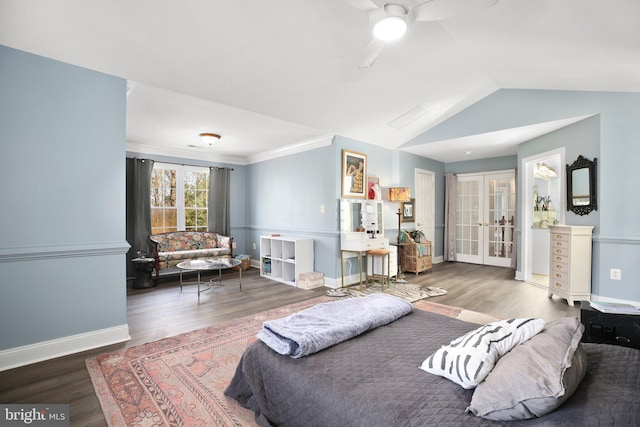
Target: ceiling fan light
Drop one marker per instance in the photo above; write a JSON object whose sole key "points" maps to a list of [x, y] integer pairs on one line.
{"points": [[210, 138], [390, 28]]}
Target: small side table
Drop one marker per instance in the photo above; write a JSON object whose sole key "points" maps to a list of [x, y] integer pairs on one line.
{"points": [[144, 267]]}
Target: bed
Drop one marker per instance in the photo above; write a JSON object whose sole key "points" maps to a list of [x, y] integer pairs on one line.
{"points": [[374, 379]]}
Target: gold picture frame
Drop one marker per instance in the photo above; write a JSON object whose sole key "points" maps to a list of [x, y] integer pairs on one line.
{"points": [[354, 173]]}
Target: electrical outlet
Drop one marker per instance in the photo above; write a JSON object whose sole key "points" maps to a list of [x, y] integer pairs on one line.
{"points": [[615, 274], [234, 245], [321, 209], [254, 246]]}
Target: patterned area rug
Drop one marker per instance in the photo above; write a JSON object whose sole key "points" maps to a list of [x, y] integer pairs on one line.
{"points": [[179, 381], [407, 291]]}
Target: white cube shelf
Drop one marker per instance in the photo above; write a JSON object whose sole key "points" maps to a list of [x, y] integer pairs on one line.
{"points": [[284, 258]]}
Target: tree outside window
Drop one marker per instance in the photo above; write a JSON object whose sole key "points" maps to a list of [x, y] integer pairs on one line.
{"points": [[179, 198], [196, 190]]}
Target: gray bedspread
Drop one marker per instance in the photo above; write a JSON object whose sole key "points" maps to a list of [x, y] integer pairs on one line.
{"points": [[374, 380], [323, 325]]}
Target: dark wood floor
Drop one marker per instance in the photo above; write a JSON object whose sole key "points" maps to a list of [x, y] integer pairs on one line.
{"points": [[165, 311]]}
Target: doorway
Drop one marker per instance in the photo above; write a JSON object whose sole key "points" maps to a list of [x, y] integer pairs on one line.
{"points": [[485, 218], [538, 191]]}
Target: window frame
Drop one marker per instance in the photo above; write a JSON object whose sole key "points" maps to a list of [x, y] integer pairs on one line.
{"points": [[181, 170]]}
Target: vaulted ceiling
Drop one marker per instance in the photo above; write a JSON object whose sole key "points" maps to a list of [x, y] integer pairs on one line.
{"points": [[285, 73]]}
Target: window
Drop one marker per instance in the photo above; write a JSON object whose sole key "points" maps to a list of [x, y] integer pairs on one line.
{"points": [[179, 198]]}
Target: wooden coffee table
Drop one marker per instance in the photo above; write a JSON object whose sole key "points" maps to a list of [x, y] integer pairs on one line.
{"points": [[200, 265]]}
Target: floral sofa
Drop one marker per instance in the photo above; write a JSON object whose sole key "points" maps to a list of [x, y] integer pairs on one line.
{"points": [[169, 249]]}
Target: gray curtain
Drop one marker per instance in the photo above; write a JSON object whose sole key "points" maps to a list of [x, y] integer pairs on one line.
{"points": [[219, 189], [451, 193], [514, 236], [138, 208]]}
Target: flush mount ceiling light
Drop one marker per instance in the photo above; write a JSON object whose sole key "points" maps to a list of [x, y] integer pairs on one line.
{"points": [[210, 138], [394, 25]]}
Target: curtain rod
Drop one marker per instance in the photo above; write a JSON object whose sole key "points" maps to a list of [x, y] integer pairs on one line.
{"points": [[179, 164]]}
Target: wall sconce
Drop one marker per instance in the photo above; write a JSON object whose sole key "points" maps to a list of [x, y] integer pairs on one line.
{"points": [[399, 194], [545, 171]]}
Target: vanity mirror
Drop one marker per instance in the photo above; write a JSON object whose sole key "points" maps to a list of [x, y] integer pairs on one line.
{"points": [[581, 186], [361, 216]]}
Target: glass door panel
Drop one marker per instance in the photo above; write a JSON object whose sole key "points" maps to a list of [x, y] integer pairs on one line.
{"points": [[500, 217], [468, 211], [485, 215]]}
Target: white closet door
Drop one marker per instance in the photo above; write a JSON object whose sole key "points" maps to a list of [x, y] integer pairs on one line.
{"points": [[425, 202], [485, 213]]}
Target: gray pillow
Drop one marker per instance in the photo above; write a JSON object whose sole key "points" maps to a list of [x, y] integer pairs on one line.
{"points": [[468, 359], [535, 377]]}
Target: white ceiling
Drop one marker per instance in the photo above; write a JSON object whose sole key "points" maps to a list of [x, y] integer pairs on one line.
{"points": [[284, 73]]}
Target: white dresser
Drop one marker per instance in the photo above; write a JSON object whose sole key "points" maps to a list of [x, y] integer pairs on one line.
{"points": [[570, 262]]}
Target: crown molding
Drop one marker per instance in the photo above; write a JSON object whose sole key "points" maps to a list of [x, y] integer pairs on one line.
{"points": [[183, 153], [211, 156], [309, 144]]}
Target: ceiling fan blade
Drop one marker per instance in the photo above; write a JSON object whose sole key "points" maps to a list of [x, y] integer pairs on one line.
{"points": [[436, 10], [362, 4], [371, 53]]}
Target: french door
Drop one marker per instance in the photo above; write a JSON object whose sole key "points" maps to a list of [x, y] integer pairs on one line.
{"points": [[485, 218]]}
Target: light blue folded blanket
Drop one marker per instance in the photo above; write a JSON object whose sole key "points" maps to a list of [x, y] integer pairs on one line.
{"points": [[323, 325]]}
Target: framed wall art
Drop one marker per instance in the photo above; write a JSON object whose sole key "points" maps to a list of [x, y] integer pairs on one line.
{"points": [[408, 211], [373, 188], [354, 171]]}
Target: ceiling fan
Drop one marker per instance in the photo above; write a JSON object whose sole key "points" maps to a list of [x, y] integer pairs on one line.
{"points": [[389, 20]]}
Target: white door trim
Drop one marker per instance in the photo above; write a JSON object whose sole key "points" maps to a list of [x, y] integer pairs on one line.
{"points": [[526, 206]]}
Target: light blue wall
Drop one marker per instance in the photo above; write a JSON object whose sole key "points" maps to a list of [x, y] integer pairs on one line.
{"points": [[617, 131], [62, 251], [408, 163], [286, 195], [62, 222], [582, 138]]}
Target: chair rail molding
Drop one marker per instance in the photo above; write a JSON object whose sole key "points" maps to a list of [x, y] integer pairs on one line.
{"points": [[29, 253]]}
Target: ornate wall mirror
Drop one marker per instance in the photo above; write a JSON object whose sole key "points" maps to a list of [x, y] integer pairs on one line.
{"points": [[581, 186]]}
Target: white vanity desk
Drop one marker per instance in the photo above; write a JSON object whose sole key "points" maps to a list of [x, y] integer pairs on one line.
{"points": [[365, 215]]}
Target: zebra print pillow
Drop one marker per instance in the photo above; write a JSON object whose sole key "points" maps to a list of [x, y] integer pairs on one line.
{"points": [[468, 359]]}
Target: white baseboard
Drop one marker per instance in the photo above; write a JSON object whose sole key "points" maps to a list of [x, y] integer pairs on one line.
{"points": [[519, 276], [335, 283], [28, 354]]}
